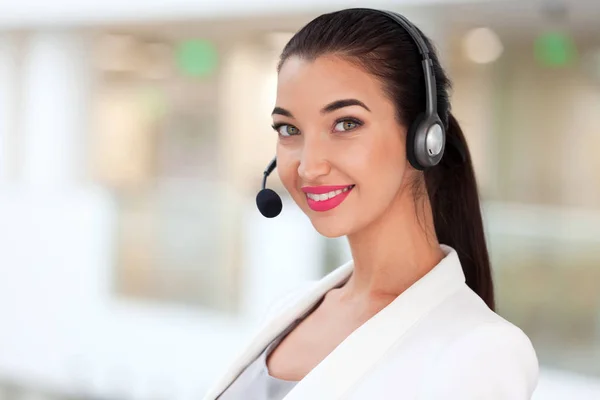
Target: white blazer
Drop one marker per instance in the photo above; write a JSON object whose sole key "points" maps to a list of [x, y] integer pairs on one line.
{"points": [[437, 340]]}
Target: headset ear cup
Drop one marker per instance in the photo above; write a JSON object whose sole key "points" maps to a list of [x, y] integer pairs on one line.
{"points": [[410, 142]]}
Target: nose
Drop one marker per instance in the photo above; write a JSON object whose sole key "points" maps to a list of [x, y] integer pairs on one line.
{"points": [[313, 163]]}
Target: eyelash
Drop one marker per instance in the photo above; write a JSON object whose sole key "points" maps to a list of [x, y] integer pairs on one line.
{"points": [[358, 123]]}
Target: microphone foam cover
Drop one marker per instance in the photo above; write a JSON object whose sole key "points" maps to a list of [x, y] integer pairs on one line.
{"points": [[268, 203]]}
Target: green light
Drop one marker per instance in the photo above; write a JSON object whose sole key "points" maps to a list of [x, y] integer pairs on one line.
{"points": [[555, 49], [197, 58]]}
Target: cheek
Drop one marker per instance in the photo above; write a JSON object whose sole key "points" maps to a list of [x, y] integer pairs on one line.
{"points": [[380, 161], [287, 168]]}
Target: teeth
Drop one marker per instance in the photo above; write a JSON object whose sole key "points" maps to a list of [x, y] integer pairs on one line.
{"points": [[326, 196]]}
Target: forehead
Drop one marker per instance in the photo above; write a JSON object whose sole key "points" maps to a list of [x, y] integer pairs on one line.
{"points": [[316, 82]]}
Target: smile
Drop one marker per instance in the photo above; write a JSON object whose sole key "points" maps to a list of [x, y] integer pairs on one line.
{"points": [[324, 198]]}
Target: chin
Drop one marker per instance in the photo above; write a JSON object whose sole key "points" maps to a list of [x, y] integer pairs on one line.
{"points": [[330, 231], [331, 226], [337, 222]]}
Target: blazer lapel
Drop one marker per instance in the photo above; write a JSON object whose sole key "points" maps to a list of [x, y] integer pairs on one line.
{"points": [[276, 325], [352, 359]]}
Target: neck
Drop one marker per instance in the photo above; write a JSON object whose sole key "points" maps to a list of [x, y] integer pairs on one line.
{"points": [[393, 252]]}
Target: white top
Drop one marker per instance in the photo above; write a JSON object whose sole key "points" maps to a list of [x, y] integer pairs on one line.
{"points": [[437, 340], [255, 383]]}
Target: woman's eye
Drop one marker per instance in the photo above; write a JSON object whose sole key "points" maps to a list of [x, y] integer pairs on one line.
{"points": [[287, 130], [346, 125]]}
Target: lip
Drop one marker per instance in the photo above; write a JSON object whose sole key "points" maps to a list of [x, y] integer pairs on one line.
{"points": [[323, 189], [329, 204]]}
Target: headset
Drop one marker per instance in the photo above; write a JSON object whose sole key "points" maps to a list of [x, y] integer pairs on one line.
{"points": [[425, 139]]}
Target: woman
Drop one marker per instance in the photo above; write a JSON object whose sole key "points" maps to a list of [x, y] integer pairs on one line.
{"points": [[367, 148]]}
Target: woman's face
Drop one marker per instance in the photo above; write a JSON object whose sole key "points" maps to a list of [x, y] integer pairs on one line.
{"points": [[341, 152]]}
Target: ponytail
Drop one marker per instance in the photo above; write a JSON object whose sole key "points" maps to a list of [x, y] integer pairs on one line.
{"points": [[454, 198]]}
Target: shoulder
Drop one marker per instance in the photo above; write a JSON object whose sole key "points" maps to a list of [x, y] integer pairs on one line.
{"points": [[489, 359]]}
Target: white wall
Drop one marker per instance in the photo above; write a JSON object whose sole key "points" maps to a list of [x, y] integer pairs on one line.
{"points": [[56, 79], [8, 79]]}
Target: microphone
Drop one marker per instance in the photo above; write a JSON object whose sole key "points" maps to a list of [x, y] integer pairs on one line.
{"points": [[268, 202]]}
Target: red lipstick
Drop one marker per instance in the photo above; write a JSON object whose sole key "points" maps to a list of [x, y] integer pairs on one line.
{"points": [[325, 198]]}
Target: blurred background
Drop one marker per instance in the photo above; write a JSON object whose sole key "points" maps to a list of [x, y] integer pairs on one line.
{"points": [[133, 136]]}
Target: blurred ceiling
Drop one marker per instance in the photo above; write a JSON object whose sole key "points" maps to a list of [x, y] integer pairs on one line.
{"points": [[15, 14], [526, 17], [511, 19]]}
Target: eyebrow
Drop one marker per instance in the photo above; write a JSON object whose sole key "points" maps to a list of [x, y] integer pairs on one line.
{"points": [[335, 105], [282, 111]]}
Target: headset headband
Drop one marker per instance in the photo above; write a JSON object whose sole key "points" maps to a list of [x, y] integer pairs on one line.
{"points": [[430, 89]]}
